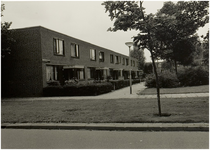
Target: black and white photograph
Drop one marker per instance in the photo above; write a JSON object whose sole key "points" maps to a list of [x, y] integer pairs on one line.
{"points": [[104, 74]]}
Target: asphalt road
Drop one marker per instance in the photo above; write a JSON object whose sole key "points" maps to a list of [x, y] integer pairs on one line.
{"points": [[83, 139]]}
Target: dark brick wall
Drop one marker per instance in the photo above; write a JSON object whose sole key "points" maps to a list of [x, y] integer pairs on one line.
{"points": [[26, 75], [25, 68], [84, 50]]}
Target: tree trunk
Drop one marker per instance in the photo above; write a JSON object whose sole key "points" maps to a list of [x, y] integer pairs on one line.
{"points": [[157, 82]]}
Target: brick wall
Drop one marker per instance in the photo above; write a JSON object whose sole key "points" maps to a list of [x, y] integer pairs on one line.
{"points": [[25, 70]]}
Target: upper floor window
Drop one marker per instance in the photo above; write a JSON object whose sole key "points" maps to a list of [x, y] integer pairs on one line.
{"points": [[134, 63], [111, 58], [123, 61], [131, 62], [58, 46], [92, 54], [127, 62], [117, 59], [101, 56], [75, 50]]}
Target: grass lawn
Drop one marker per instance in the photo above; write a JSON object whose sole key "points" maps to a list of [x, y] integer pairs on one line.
{"points": [[179, 90], [105, 111]]}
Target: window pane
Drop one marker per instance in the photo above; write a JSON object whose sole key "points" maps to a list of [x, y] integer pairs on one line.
{"points": [[60, 47], [77, 50], [81, 74], [57, 47], [72, 50], [55, 73], [92, 54], [49, 73], [88, 73]]}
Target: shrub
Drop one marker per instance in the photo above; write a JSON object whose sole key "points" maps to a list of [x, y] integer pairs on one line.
{"points": [[166, 80], [53, 91], [193, 76], [78, 89], [118, 84]]}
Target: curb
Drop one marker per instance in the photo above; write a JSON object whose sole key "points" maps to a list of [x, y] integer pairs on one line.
{"points": [[114, 126]]}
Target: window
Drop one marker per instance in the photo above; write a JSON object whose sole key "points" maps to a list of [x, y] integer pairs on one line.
{"points": [[75, 50], [119, 59], [116, 59], [123, 61], [131, 62], [134, 63], [127, 62], [90, 73], [111, 58], [93, 54], [101, 56], [51, 73], [58, 46], [80, 74]]}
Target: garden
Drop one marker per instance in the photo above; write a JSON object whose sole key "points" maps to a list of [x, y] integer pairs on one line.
{"points": [[92, 88]]}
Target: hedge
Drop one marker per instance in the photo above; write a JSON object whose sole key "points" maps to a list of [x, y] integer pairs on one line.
{"points": [[78, 89], [193, 76], [166, 80], [118, 84]]}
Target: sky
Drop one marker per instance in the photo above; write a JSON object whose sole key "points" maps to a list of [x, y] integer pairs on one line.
{"points": [[85, 20]]}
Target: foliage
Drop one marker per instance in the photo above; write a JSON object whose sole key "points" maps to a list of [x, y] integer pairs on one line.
{"points": [[139, 55], [194, 76], [6, 36], [166, 80], [118, 84], [176, 28], [148, 69], [206, 49], [78, 89]]}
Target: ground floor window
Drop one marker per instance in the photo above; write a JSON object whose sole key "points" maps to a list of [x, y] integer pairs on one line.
{"points": [[51, 73], [91, 73], [74, 73]]}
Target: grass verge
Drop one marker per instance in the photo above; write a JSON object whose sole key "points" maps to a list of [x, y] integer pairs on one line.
{"points": [[179, 90], [185, 110]]}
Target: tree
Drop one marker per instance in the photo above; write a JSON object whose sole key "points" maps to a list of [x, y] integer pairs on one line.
{"points": [[206, 49], [177, 25], [6, 36], [130, 15], [139, 55]]}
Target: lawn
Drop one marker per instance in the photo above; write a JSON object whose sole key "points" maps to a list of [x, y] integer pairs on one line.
{"points": [[185, 110], [179, 90]]}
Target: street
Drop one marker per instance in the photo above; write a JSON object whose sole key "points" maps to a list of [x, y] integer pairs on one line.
{"points": [[84, 139]]}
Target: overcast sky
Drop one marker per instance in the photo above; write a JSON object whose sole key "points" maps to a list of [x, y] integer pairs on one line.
{"points": [[85, 20]]}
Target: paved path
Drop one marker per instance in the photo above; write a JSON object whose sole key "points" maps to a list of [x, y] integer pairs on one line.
{"points": [[118, 94]]}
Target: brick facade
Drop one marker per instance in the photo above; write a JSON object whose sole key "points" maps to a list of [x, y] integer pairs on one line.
{"points": [[34, 61]]}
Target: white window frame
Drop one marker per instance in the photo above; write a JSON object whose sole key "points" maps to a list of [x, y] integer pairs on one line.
{"points": [[74, 50], [93, 54], [58, 46]]}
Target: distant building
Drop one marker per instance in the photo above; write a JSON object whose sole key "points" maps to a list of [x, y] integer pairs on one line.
{"points": [[40, 56]]}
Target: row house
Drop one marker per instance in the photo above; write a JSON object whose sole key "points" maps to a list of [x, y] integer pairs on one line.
{"points": [[41, 55]]}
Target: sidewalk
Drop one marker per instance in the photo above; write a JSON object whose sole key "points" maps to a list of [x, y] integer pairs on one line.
{"points": [[118, 94], [112, 126]]}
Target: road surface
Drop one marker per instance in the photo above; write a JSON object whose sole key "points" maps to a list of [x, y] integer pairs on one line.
{"points": [[84, 139]]}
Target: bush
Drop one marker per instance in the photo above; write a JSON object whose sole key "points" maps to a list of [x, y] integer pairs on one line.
{"points": [[166, 80], [78, 89], [53, 91], [194, 76], [118, 84]]}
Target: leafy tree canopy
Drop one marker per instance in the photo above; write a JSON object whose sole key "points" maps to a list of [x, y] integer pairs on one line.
{"points": [[6, 36]]}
